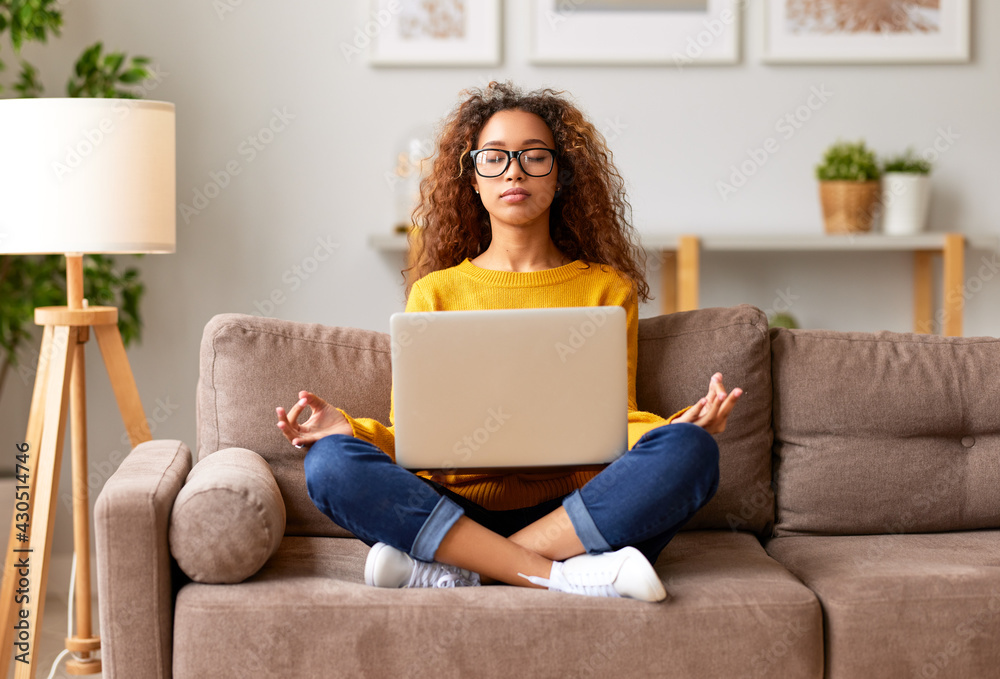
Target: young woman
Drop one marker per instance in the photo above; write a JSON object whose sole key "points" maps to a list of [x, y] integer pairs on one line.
{"points": [[523, 208]]}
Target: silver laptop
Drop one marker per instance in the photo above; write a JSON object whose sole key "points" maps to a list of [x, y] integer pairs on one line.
{"points": [[510, 389]]}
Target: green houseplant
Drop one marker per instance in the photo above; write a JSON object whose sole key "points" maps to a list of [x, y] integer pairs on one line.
{"points": [[29, 281], [849, 184], [782, 319], [906, 193], [907, 163]]}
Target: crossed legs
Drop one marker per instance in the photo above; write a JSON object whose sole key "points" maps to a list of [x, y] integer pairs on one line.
{"points": [[641, 499]]}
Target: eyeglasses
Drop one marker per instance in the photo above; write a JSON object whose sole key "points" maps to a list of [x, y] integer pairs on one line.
{"points": [[494, 162]]}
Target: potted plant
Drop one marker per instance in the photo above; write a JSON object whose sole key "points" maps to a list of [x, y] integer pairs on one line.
{"points": [[906, 193], [849, 187], [782, 319]]}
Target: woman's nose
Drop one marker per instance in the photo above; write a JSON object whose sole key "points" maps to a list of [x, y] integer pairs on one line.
{"points": [[511, 172]]}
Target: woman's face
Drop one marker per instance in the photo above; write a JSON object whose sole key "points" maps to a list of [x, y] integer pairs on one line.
{"points": [[516, 198]]}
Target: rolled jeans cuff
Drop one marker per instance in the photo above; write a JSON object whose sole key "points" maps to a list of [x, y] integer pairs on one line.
{"points": [[444, 515], [584, 525]]}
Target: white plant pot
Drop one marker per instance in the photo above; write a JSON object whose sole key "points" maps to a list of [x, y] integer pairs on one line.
{"points": [[906, 198]]}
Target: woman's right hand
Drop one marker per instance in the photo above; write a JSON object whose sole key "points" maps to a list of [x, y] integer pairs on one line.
{"points": [[324, 421]]}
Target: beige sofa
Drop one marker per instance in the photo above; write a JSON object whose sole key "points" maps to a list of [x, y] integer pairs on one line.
{"points": [[855, 532]]}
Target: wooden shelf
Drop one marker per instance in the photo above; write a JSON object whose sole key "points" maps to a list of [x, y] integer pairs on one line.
{"points": [[680, 259], [396, 242], [818, 242], [388, 242]]}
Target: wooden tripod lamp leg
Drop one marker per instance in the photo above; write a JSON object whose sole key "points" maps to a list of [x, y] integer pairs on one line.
{"points": [[8, 604], [48, 459], [83, 642], [123, 383]]}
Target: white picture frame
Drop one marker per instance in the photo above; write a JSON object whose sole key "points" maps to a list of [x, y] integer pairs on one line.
{"points": [[786, 41], [564, 32], [405, 35]]}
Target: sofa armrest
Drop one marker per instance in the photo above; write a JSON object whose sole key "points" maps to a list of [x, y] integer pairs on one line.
{"points": [[133, 560]]}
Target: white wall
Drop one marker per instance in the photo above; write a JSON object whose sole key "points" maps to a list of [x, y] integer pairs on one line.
{"points": [[322, 177]]}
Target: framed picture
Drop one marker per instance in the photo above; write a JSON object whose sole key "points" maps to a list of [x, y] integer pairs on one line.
{"points": [[866, 31], [664, 32], [434, 32]]}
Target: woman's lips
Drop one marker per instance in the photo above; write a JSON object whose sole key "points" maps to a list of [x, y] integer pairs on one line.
{"points": [[514, 195]]}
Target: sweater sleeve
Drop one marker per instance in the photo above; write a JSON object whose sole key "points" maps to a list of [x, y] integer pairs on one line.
{"points": [[371, 430], [639, 421]]}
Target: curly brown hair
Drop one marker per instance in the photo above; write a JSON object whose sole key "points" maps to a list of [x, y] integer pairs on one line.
{"points": [[590, 219]]}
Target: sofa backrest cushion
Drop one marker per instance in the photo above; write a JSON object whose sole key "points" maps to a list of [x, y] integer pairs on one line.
{"points": [[678, 353], [250, 365], [885, 432]]}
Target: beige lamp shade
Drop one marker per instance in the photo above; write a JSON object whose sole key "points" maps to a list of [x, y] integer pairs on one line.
{"points": [[87, 176]]}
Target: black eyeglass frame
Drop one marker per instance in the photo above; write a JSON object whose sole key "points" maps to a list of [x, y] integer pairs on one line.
{"points": [[511, 156]]}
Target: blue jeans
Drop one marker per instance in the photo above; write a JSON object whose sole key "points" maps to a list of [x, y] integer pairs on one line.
{"points": [[641, 499]]}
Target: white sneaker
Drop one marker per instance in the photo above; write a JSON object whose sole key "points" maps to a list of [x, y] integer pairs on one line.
{"points": [[389, 567], [625, 573]]}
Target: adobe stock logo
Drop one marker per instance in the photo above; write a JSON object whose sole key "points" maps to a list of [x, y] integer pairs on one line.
{"points": [[91, 140], [249, 148], [418, 322], [713, 29], [787, 126], [579, 334], [295, 276], [470, 443], [363, 36]]}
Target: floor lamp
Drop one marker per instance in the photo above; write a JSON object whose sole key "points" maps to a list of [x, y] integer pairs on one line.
{"points": [[77, 176]]}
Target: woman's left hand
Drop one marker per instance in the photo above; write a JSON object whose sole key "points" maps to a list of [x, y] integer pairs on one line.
{"points": [[711, 412]]}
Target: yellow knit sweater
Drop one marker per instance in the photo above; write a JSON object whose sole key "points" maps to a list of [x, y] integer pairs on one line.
{"points": [[467, 287]]}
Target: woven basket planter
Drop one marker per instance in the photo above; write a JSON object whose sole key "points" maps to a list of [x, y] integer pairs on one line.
{"points": [[849, 207]]}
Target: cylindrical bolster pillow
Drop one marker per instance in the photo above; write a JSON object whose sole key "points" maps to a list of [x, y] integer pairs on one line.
{"points": [[228, 519]]}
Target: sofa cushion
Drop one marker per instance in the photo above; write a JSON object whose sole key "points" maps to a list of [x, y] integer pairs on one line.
{"points": [[734, 612], [885, 432], [925, 605], [678, 353], [228, 519], [250, 365]]}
